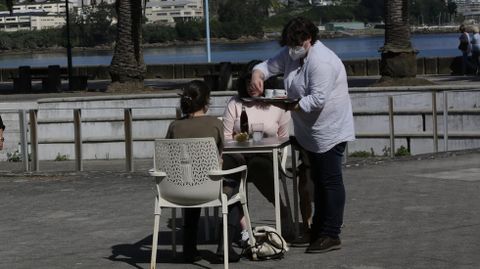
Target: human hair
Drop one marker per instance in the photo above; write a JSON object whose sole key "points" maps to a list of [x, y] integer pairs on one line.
{"points": [[1, 124], [195, 97], [297, 30], [462, 28], [243, 81], [245, 77], [475, 29]]}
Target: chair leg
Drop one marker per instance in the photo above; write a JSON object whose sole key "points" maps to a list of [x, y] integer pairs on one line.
{"points": [[174, 232], [156, 226], [207, 224], [225, 230], [216, 225], [251, 239], [225, 241]]}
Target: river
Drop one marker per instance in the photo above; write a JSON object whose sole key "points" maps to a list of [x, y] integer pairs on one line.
{"points": [[347, 48]]}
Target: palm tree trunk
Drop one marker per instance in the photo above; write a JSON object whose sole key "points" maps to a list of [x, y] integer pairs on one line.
{"points": [[127, 61], [398, 56]]}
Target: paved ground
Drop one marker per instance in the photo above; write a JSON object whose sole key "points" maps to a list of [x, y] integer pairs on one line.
{"points": [[417, 212]]}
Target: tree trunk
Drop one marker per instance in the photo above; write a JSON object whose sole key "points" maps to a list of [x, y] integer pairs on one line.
{"points": [[127, 62], [398, 56]]}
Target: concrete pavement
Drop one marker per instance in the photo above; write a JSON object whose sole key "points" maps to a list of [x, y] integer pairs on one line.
{"points": [[414, 212]]}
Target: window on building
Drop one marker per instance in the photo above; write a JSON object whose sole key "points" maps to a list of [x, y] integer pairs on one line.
{"points": [[174, 13], [187, 13], [162, 14]]}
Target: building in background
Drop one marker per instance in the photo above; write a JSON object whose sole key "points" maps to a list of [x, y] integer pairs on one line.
{"points": [[38, 16], [171, 11]]}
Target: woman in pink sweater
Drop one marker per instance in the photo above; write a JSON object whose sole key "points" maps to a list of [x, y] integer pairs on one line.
{"points": [[276, 122]]}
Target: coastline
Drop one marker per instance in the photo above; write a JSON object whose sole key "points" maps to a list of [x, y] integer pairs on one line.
{"points": [[246, 39]]}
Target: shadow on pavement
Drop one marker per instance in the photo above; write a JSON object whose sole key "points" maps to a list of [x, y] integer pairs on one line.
{"points": [[140, 251]]}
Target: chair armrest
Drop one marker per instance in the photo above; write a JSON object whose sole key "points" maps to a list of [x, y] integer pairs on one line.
{"points": [[154, 173], [218, 174]]}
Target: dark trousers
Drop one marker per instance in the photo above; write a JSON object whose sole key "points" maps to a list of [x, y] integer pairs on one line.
{"points": [[329, 191], [476, 61], [192, 216]]}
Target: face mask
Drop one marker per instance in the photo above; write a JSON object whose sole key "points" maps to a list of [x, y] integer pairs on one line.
{"points": [[297, 53]]}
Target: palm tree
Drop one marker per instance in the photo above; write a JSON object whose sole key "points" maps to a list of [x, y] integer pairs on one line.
{"points": [[9, 4], [398, 56], [127, 62]]}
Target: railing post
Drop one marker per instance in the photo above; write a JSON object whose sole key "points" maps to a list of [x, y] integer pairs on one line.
{"points": [[77, 125], [34, 139], [391, 126], [23, 138], [434, 122], [128, 139], [445, 120]]}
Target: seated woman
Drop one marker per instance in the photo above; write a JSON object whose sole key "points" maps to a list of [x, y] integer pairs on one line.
{"points": [[276, 123], [194, 102]]}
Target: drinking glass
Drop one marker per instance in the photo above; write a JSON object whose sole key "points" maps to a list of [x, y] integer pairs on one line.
{"points": [[257, 131]]}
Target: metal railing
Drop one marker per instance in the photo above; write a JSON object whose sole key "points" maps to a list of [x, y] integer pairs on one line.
{"points": [[32, 125]]}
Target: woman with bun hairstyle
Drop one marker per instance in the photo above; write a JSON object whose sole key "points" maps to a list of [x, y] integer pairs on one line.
{"points": [[194, 103]]}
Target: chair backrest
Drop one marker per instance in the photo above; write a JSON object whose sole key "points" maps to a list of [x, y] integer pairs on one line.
{"points": [[187, 162]]}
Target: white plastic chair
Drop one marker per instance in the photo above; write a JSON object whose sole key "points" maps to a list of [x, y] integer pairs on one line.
{"points": [[188, 175]]}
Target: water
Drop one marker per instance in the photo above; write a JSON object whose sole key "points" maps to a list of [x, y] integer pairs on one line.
{"points": [[257, 136], [347, 48]]}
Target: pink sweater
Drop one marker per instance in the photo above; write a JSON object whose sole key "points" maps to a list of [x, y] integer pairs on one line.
{"points": [[275, 120]]}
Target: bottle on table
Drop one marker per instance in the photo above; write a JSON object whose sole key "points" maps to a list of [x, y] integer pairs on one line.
{"points": [[244, 121]]}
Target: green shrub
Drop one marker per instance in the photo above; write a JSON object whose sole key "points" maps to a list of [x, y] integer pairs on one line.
{"points": [[402, 151], [61, 157], [154, 33], [14, 156], [361, 154]]}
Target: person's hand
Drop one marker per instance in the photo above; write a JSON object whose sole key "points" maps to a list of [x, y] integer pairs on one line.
{"points": [[256, 84]]}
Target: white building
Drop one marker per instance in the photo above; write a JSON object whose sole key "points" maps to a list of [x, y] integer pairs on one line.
{"points": [[46, 22], [34, 16], [169, 11], [45, 7], [322, 2], [470, 9], [36, 20]]}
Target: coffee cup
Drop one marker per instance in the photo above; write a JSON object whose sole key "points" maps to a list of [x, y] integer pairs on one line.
{"points": [[269, 93], [279, 93]]}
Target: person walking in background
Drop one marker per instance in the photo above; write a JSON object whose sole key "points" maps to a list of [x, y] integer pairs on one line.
{"points": [[322, 119], [2, 129], [465, 48], [476, 49]]}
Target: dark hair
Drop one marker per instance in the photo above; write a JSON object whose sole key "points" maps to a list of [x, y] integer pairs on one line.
{"points": [[1, 124], [195, 97], [462, 28], [245, 77], [297, 30]]}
